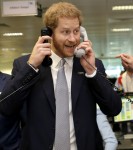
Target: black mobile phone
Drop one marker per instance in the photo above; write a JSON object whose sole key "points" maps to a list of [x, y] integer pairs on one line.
{"points": [[46, 31]]}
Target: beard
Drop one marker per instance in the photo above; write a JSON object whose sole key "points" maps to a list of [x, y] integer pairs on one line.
{"points": [[58, 47]]}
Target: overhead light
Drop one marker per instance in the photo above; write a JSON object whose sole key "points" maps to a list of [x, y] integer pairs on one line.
{"points": [[23, 54], [121, 29], [8, 49], [128, 7], [13, 34]]}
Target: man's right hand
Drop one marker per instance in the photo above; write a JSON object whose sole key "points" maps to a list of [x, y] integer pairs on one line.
{"points": [[39, 51]]}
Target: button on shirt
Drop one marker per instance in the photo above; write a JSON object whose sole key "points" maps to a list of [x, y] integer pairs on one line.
{"points": [[68, 72]]}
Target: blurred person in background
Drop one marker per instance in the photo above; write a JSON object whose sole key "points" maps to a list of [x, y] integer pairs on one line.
{"points": [[125, 83], [9, 126]]}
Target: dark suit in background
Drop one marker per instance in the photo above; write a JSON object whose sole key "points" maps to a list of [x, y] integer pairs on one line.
{"points": [[9, 126]]}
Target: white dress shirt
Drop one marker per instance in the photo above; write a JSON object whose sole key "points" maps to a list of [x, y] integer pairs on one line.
{"points": [[68, 72]]}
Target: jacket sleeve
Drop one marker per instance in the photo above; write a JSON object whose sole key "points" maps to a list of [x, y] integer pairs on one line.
{"points": [[108, 100], [17, 88]]}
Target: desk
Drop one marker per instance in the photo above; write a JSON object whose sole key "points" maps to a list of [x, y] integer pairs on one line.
{"points": [[126, 144]]}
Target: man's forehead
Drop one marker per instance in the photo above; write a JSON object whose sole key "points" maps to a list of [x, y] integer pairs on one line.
{"points": [[67, 23]]}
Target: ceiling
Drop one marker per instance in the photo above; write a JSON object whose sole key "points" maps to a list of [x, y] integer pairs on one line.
{"points": [[99, 20]]}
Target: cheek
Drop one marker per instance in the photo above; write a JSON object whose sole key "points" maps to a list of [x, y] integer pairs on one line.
{"points": [[79, 40], [58, 44], [59, 39]]}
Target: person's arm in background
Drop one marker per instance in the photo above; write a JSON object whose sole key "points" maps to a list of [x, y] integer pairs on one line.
{"points": [[109, 140], [127, 61]]}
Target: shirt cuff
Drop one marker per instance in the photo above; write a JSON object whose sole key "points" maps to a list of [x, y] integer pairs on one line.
{"points": [[36, 70], [91, 75]]}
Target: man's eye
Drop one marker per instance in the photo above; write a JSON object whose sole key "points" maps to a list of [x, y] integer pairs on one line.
{"points": [[76, 31], [66, 32]]}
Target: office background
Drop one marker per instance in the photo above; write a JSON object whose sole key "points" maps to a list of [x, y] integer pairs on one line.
{"points": [[109, 24]]}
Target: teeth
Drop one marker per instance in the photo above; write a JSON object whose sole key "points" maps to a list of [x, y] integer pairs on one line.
{"points": [[70, 46]]}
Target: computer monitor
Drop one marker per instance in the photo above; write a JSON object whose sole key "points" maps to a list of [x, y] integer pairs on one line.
{"points": [[126, 113]]}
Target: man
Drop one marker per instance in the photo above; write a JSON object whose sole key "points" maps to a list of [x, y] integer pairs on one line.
{"points": [[9, 127], [35, 84], [125, 82]]}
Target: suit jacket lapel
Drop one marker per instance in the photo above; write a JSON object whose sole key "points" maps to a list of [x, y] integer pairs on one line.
{"points": [[77, 79], [48, 86]]}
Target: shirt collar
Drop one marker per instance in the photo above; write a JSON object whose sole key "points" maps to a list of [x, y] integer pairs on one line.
{"points": [[56, 59]]}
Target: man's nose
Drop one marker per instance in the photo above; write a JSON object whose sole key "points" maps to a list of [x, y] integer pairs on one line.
{"points": [[72, 37]]}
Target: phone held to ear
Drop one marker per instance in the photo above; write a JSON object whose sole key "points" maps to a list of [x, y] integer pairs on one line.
{"points": [[83, 34], [47, 60]]}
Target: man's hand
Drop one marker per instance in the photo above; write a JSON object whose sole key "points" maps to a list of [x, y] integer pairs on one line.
{"points": [[89, 60], [39, 51]]}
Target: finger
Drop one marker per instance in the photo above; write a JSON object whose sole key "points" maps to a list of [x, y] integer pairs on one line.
{"points": [[88, 49], [45, 45], [41, 39], [125, 55], [125, 59], [44, 52], [90, 43], [118, 56]]}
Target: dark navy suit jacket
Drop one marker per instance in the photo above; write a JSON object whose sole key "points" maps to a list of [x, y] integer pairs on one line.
{"points": [[9, 126], [37, 92]]}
